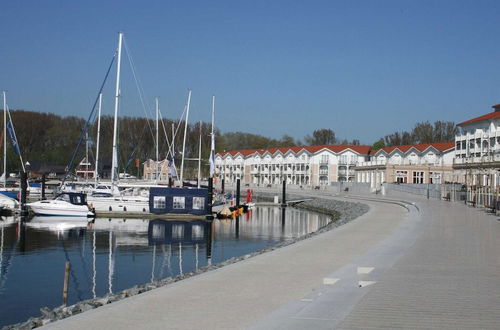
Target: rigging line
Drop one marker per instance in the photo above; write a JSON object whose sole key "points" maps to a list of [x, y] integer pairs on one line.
{"points": [[15, 135], [86, 126], [140, 90], [166, 135], [178, 126]]}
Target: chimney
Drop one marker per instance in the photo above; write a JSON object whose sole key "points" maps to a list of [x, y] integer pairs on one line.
{"points": [[496, 107]]}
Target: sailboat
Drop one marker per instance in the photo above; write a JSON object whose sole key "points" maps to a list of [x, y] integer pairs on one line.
{"points": [[115, 201], [8, 202], [181, 200]]}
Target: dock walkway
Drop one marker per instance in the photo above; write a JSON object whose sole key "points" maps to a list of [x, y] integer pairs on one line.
{"points": [[434, 265]]}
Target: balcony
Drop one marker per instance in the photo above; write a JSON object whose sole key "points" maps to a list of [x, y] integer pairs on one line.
{"points": [[343, 161], [372, 163]]}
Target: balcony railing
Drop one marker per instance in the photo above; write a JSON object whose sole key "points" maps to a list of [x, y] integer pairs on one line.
{"points": [[347, 161]]}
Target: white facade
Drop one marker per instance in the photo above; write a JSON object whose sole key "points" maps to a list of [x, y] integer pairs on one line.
{"points": [[313, 165], [420, 163], [477, 149]]}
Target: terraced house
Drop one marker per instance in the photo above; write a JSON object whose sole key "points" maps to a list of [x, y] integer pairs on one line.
{"points": [[307, 165], [418, 163], [322, 165]]}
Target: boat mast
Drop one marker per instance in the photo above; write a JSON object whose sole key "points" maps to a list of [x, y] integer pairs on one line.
{"points": [[96, 174], [156, 168], [4, 139], [199, 160], [114, 166], [212, 141], [184, 141]]}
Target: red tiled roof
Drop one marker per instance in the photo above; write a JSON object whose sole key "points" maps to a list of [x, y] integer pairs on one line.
{"points": [[363, 150], [488, 116], [440, 146]]}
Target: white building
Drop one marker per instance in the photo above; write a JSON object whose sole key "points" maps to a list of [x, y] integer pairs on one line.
{"points": [[308, 165], [417, 163], [477, 146]]}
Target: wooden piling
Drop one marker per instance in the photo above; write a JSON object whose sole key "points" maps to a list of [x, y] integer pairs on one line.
{"points": [[43, 186], [238, 193], [66, 282], [24, 192], [283, 196], [210, 198]]}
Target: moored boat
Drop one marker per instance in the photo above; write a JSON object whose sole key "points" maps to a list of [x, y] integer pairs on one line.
{"points": [[64, 204]]}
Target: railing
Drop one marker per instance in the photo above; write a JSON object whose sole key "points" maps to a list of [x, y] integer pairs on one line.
{"points": [[475, 160], [347, 161]]}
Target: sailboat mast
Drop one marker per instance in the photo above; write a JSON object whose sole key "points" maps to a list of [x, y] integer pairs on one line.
{"points": [[114, 166], [96, 174], [4, 139], [212, 141], [156, 169], [199, 160], [184, 141], [86, 156]]}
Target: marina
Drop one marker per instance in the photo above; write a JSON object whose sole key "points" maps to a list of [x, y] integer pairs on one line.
{"points": [[108, 255]]}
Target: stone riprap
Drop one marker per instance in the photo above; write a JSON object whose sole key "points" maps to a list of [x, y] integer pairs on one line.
{"points": [[340, 211]]}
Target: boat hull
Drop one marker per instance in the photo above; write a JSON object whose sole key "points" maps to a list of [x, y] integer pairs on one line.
{"points": [[59, 208]]}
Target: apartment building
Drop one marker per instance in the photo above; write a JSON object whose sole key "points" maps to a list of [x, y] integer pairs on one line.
{"points": [[477, 146], [418, 163], [303, 166]]}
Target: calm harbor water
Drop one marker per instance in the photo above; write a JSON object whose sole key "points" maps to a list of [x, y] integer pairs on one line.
{"points": [[110, 255]]}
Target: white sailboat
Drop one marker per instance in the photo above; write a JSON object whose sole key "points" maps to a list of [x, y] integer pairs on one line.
{"points": [[116, 200]]}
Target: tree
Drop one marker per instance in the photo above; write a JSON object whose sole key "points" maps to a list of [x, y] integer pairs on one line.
{"points": [[423, 133], [321, 137], [378, 145]]}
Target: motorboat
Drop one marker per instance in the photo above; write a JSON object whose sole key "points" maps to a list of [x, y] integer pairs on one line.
{"points": [[65, 204]]}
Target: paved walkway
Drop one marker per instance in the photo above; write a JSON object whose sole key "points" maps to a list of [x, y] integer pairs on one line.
{"points": [[436, 267]]}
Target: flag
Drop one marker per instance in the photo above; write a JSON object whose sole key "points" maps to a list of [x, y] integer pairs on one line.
{"points": [[171, 167], [211, 160], [13, 138]]}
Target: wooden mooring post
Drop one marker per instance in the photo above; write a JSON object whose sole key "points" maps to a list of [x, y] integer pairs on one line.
{"points": [[237, 192], [44, 178], [24, 192], [66, 282], [283, 196]]}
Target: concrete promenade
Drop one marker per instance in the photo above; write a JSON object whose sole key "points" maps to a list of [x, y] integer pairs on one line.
{"points": [[433, 265]]}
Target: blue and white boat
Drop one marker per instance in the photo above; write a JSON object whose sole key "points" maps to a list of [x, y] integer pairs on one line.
{"points": [[65, 204]]}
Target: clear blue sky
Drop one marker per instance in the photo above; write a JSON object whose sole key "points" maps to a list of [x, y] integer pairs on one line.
{"points": [[362, 68]]}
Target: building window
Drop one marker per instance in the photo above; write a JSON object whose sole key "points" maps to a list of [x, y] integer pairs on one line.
{"points": [[418, 177], [159, 202], [179, 202], [402, 176], [198, 203]]}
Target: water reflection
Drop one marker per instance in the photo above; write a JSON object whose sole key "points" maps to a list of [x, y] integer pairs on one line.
{"points": [[110, 255]]}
